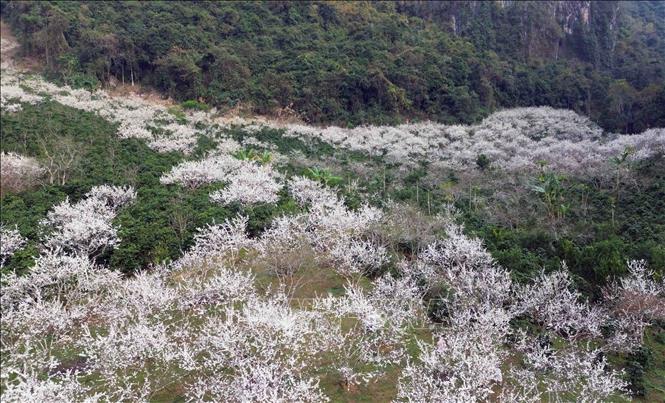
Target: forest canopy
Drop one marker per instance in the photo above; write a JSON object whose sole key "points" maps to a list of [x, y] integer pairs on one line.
{"points": [[364, 62]]}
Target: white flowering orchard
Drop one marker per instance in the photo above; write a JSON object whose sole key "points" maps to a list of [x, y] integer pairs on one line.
{"points": [[206, 325], [514, 139]]}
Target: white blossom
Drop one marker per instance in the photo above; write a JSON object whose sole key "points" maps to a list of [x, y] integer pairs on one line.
{"points": [[217, 240], [114, 196], [259, 353], [463, 265], [355, 256], [464, 365], [11, 240], [553, 301], [557, 375], [634, 302], [217, 168], [62, 388], [57, 275], [307, 191], [514, 139], [86, 227], [18, 172], [250, 184]]}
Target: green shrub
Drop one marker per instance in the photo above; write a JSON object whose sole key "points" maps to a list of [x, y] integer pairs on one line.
{"points": [[195, 105], [483, 162]]}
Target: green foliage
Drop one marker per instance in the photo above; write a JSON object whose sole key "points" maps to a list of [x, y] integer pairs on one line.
{"points": [[483, 162], [159, 225], [196, 105], [362, 62], [638, 362], [551, 190], [438, 309], [324, 176], [284, 144], [178, 114], [249, 154]]}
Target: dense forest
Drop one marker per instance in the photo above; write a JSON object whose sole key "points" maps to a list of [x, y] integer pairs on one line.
{"points": [[365, 62]]}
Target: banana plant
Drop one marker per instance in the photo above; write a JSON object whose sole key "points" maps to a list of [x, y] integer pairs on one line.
{"points": [[252, 155], [550, 187], [621, 164], [324, 176]]}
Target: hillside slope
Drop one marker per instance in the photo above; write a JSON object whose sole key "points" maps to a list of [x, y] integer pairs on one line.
{"points": [[164, 252], [354, 63], [244, 244]]}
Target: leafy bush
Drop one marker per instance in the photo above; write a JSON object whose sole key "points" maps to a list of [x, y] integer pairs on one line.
{"points": [[195, 105], [483, 162]]}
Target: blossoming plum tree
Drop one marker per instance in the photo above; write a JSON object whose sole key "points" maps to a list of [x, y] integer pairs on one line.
{"points": [[86, 227], [18, 172]]}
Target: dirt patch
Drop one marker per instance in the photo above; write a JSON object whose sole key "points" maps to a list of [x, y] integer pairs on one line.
{"points": [[138, 91], [9, 52], [8, 45]]}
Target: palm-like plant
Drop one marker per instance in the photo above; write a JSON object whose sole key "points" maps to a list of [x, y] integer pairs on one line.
{"points": [[621, 163], [250, 154], [550, 187], [324, 176]]}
